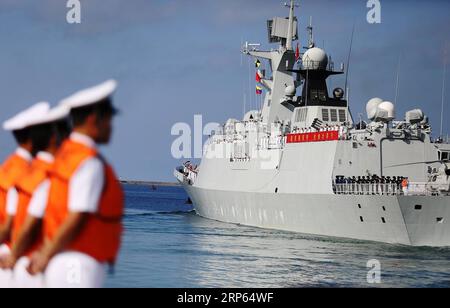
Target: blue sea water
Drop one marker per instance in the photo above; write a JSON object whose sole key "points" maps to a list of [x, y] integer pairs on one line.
{"points": [[167, 245]]}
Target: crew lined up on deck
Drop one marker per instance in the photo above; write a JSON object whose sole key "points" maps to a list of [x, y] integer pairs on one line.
{"points": [[375, 185], [60, 201]]}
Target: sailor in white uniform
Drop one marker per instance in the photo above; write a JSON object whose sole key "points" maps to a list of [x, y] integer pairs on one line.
{"points": [[47, 133], [78, 269], [18, 123]]}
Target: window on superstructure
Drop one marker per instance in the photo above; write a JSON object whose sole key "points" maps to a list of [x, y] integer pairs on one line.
{"points": [[325, 115], [334, 117], [444, 156], [342, 116]]}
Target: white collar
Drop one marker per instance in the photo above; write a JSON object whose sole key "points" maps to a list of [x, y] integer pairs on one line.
{"points": [[46, 157], [83, 139], [21, 152]]}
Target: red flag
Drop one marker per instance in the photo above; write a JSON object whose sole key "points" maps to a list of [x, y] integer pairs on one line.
{"points": [[297, 53], [258, 76]]}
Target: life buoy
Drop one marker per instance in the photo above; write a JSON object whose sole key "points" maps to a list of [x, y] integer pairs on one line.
{"points": [[405, 183]]}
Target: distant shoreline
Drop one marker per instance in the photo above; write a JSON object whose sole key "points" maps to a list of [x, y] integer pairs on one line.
{"points": [[149, 183]]}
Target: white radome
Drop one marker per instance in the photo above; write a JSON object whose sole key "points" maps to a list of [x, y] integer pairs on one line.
{"points": [[314, 59], [372, 107], [290, 91], [386, 111]]}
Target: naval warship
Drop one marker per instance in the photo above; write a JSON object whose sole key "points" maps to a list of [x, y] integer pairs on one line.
{"points": [[301, 163]]}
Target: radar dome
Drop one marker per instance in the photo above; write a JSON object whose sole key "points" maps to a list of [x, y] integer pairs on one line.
{"points": [[290, 91], [385, 112], [315, 59], [372, 107]]}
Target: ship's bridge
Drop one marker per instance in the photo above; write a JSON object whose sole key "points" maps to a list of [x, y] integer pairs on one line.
{"points": [[305, 117], [316, 107]]}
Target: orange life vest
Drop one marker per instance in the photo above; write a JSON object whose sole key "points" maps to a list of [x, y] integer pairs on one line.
{"points": [[13, 169], [26, 186], [405, 183], [101, 235]]}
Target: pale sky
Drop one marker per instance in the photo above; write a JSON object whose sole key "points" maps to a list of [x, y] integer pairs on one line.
{"points": [[177, 58]]}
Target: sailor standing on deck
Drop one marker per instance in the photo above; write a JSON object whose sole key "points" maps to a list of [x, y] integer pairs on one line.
{"points": [[46, 133], [83, 220], [12, 170]]}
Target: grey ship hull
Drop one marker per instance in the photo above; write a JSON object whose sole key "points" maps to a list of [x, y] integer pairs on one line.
{"points": [[388, 219]]}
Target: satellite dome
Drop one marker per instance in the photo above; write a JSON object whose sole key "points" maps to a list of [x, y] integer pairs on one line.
{"points": [[290, 91], [372, 107], [315, 59], [386, 112]]}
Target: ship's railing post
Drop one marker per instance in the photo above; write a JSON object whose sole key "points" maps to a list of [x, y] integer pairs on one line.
{"points": [[390, 189]]}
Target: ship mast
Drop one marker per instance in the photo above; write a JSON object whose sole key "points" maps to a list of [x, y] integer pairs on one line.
{"points": [[443, 101], [311, 34], [284, 31], [291, 25]]}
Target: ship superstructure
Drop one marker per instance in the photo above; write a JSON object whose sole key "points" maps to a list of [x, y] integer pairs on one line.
{"points": [[301, 163]]}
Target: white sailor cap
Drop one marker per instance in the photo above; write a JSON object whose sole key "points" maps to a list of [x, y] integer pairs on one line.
{"points": [[24, 118], [90, 96], [55, 114]]}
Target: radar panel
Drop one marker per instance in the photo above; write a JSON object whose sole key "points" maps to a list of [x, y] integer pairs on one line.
{"points": [[278, 28]]}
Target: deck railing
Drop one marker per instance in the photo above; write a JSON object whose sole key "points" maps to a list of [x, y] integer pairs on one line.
{"points": [[413, 189]]}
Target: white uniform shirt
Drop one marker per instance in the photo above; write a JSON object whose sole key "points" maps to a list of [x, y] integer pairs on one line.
{"points": [[38, 202], [86, 185], [12, 197]]}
